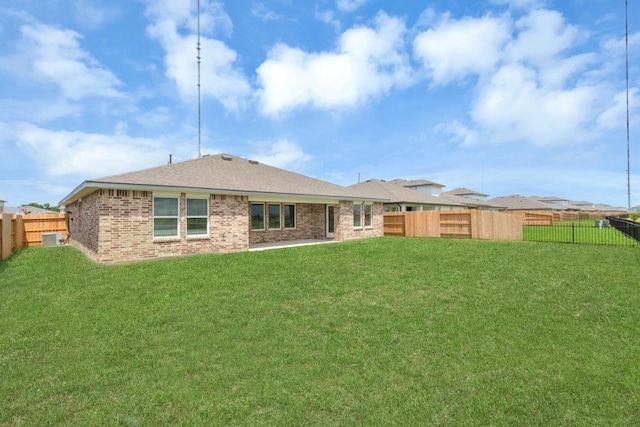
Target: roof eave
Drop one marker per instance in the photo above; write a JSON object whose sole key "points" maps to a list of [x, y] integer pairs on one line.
{"points": [[89, 187]]}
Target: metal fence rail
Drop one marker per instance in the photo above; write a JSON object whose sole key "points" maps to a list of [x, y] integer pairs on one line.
{"points": [[594, 232], [626, 227]]}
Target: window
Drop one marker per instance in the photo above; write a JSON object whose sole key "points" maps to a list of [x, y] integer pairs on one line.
{"points": [[289, 216], [257, 217], [367, 215], [165, 216], [357, 215], [197, 217], [274, 217]]}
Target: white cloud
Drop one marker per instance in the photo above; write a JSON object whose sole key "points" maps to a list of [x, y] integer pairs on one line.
{"points": [[455, 49], [367, 62], [260, 11], [542, 35], [514, 107], [615, 117], [90, 155], [350, 5], [220, 79], [521, 4], [53, 56], [529, 88], [281, 154]]}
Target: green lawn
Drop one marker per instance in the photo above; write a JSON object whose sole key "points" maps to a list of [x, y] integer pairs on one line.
{"points": [[386, 331], [577, 231]]}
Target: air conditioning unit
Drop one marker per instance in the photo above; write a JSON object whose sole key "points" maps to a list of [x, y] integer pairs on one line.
{"points": [[51, 239]]}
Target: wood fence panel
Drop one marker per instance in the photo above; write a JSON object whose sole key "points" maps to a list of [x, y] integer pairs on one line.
{"points": [[35, 225], [506, 227], [6, 238], [455, 224], [394, 224], [468, 224], [538, 218], [423, 224]]}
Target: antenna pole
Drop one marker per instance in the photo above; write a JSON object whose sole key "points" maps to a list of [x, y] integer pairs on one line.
{"points": [[199, 107], [626, 14]]}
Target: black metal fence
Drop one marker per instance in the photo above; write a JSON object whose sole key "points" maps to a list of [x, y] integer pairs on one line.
{"points": [[626, 226], [610, 231]]}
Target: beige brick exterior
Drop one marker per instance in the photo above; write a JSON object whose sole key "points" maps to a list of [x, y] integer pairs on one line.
{"points": [[117, 225]]}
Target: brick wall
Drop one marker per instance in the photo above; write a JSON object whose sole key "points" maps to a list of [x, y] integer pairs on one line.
{"points": [[84, 224], [344, 222], [117, 225], [309, 225]]}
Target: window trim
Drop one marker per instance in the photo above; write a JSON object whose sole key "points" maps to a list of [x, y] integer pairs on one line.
{"points": [[251, 217], [206, 216], [357, 216], [364, 215], [268, 221], [294, 209], [176, 217]]}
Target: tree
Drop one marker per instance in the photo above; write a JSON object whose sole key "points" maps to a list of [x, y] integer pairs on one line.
{"points": [[46, 206]]}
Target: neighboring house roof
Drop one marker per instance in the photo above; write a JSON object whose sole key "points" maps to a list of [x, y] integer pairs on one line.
{"points": [[550, 199], [465, 192], [470, 201], [517, 202], [415, 183], [32, 210], [395, 193], [220, 173]]}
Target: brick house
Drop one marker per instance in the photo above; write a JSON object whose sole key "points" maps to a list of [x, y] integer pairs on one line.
{"points": [[216, 203]]}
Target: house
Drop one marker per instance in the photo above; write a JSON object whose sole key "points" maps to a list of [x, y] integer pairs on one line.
{"points": [[516, 202], [472, 199], [635, 208], [402, 198], [215, 203], [421, 185]]}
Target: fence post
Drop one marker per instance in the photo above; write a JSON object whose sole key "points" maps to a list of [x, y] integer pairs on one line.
{"points": [[5, 245], [573, 232], [19, 232]]}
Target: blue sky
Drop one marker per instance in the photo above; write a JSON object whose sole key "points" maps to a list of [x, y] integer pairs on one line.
{"points": [[499, 96]]}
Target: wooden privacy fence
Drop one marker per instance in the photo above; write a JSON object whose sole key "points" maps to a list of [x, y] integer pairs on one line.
{"points": [[466, 224], [19, 231]]}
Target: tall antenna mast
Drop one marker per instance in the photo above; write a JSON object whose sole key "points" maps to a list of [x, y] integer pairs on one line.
{"points": [[626, 15], [199, 107]]}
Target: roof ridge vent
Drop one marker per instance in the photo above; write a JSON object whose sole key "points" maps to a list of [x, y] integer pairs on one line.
{"points": [[254, 162], [228, 158]]}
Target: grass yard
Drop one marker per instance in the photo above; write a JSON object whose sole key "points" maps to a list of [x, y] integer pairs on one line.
{"points": [[577, 231], [386, 331]]}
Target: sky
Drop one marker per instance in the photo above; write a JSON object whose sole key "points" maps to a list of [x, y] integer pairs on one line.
{"points": [[499, 96]]}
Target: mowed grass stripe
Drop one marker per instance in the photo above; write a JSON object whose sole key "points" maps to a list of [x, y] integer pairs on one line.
{"points": [[388, 331]]}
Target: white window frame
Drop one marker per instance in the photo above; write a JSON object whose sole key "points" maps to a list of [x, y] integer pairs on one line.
{"points": [[264, 217], [268, 216], [284, 222], [357, 217], [206, 216], [176, 217], [364, 215]]}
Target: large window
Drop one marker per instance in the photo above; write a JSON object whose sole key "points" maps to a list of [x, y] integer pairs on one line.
{"points": [[274, 217], [357, 215], [367, 215], [197, 217], [165, 216], [289, 216], [257, 216]]}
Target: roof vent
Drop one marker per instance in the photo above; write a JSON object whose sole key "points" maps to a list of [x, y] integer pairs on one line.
{"points": [[254, 162], [228, 158]]}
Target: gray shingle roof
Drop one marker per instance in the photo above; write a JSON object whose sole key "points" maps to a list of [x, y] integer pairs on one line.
{"points": [[398, 194], [517, 202], [222, 173]]}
